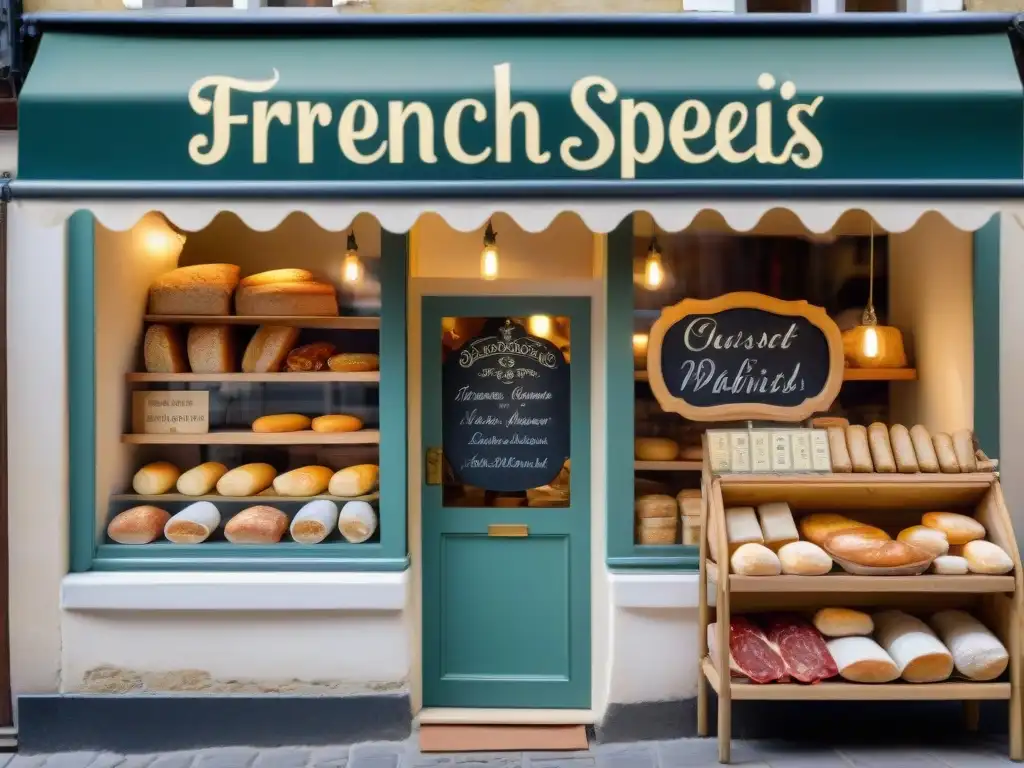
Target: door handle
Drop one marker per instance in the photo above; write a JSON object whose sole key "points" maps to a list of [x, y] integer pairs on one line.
{"points": [[508, 530], [434, 463]]}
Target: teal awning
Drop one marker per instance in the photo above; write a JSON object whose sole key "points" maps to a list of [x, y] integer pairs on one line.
{"points": [[651, 111]]}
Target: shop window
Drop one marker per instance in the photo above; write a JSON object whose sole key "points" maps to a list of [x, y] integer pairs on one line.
{"points": [[778, 6], [874, 6], [238, 419]]}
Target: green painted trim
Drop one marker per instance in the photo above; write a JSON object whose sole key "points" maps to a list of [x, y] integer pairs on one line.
{"points": [[81, 361], [651, 561], [393, 399], [986, 336], [104, 562]]}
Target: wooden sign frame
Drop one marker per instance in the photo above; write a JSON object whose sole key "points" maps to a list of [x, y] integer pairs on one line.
{"points": [[815, 315]]}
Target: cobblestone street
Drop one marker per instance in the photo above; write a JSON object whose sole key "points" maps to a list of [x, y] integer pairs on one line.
{"points": [[685, 753]]}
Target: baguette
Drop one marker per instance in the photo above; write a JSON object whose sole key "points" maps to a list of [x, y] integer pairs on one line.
{"points": [[201, 480], [281, 422], [353, 362], [903, 449], [866, 550], [945, 452], [837, 447], [336, 422], [304, 481], [881, 450], [358, 480], [859, 448], [156, 478], [246, 480], [963, 448], [924, 449]]}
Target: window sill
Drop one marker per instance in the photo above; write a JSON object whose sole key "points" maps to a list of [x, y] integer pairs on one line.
{"points": [[238, 591], [654, 590]]}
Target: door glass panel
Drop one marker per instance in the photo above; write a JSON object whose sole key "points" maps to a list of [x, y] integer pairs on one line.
{"points": [[505, 411]]}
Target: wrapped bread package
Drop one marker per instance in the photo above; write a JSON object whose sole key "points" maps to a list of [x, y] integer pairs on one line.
{"points": [[777, 526], [977, 653], [203, 289], [163, 350], [741, 527], [268, 348], [357, 521], [193, 524], [155, 478], [314, 522], [862, 660], [256, 525], [311, 299], [138, 525], [919, 654]]}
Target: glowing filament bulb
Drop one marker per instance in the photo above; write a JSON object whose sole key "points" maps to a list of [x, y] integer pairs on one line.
{"points": [[540, 325], [352, 268], [654, 271], [870, 345]]}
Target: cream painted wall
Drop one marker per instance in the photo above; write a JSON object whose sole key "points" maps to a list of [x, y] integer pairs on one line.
{"points": [[652, 654], [1011, 365]]}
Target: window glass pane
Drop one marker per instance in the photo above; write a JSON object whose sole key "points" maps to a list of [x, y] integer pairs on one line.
{"points": [[778, 6], [873, 6], [299, 4]]}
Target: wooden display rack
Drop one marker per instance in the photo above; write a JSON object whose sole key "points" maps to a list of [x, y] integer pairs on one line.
{"points": [[891, 501]]}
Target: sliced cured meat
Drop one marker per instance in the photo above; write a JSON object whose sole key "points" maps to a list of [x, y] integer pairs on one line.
{"points": [[801, 647], [752, 654]]}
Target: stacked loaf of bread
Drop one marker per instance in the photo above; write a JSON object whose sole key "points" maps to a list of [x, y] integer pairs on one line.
{"points": [[658, 517], [896, 449]]}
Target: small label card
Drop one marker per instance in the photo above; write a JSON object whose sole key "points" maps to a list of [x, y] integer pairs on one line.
{"points": [[821, 456], [782, 452], [718, 448], [767, 450], [760, 451], [162, 413], [801, 439], [739, 443]]}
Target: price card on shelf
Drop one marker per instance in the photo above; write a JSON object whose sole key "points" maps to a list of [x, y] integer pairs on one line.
{"points": [[162, 413], [739, 453], [765, 450], [801, 440]]}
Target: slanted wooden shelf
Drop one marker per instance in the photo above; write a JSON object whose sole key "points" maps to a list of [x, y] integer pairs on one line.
{"points": [[667, 466], [248, 437], [305, 321], [889, 501]]}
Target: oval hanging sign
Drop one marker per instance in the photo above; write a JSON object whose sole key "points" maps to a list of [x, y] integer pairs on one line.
{"points": [[745, 356]]}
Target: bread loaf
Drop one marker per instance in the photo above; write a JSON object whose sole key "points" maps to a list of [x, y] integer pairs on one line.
{"points": [[211, 349], [689, 501], [819, 526], [203, 289], [201, 480], [357, 521], [777, 526], [156, 478], [903, 449], [987, 558], [268, 348], [837, 448], [336, 422], [353, 362], [358, 480], [256, 525], [963, 447], [162, 350], [246, 480], [919, 655], [741, 527], [287, 299], [802, 558], [277, 276], [924, 449], [881, 450], [977, 653], [304, 481], [314, 522], [828, 422], [656, 449], [945, 452], [862, 660], [138, 525], [959, 529], [281, 422], [859, 447], [309, 357], [843, 622], [193, 524], [855, 547], [655, 505], [755, 560], [950, 565], [930, 540]]}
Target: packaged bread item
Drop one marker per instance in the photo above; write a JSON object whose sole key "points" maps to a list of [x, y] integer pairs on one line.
{"points": [[281, 422], [802, 558], [855, 547], [903, 449], [837, 449], [977, 653], [741, 527], [657, 530], [656, 449], [211, 349], [203, 289], [881, 450], [950, 565], [963, 448], [959, 529], [162, 350], [945, 452], [156, 478], [689, 501], [246, 480], [304, 481], [357, 480], [755, 560], [256, 525], [357, 521], [138, 525], [919, 654], [314, 522], [924, 449], [843, 622], [202, 479], [931, 540], [309, 357], [862, 660], [353, 362], [987, 558], [336, 422], [268, 348], [311, 299], [655, 505], [271, 276], [777, 526], [819, 526], [193, 524], [859, 447]]}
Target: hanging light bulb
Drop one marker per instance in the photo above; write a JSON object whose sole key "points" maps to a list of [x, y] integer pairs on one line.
{"points": [[489, 255], [654, 271], [539, 325], [157, 238], [352, 267], [868, 320]]}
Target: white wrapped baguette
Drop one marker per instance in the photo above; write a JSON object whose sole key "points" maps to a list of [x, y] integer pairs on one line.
{"points": [[193, 524], [357, 521], [314, 522], [777, 526], [977, 653], [862, 660], [919, 654]]}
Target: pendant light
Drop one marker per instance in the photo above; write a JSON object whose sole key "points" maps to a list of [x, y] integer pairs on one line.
{"points": [[352, 267], [539, 325], [489, 255], [868, 319], [654, 270]]}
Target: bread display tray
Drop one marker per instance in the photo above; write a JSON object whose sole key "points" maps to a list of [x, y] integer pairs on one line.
{"points": [[913, 569]]}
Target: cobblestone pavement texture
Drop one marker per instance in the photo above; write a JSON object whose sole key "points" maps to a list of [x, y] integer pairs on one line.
{"points": [[683, 753]]}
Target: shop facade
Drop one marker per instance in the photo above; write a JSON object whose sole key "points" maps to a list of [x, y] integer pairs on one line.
{"points": [[558, 174]]}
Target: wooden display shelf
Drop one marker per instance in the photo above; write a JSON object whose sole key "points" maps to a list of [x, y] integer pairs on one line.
{"points": [[246, 437], [319, 377], [305, 321], [849, 374], [668, 466], [139, 498], [845, 582], [844, 691]]}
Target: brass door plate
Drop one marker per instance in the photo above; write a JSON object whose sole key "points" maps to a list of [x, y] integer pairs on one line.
{"points": [[434, 463], [513, 530]]}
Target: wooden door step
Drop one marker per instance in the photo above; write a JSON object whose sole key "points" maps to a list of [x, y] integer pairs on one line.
{"points": [[502, 738]]}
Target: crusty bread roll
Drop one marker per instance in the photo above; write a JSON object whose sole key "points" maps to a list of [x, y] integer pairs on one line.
{"points": [[881, 449], [862, 660], [202, 479], [945, 452], [987, 558], [950, 565], [211, 349], [138, 525], [802, 558], [656, 449], [156, 478], [977, 653], [193, 524], [314, 522], [281, 422], [859, 549], [903, 449], [919, 654], [283, 299], [336, 422], [963, 447], [931, 540], [357, 480], [203, 289], [304, 481], [256, 525], [843, 622], [357, 521], [924, 449], [755, 560], [353, 362], [162, 350], [268, 348], [838, 451], [309, 357], [246, 480], [959, 529], [859, 447], [819, 526], [286, 275]]}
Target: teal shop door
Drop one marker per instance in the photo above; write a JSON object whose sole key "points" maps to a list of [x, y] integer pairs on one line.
{"points": [[506, 502]]}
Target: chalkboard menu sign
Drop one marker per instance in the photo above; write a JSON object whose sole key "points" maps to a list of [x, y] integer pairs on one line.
{"points": [[745, 356], [505, 419]]}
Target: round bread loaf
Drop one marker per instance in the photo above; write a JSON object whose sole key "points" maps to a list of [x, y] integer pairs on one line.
{"points": [[138, 525], [256, 525], [860, 548], [755, 560], [843, 622], [804, 558], [656, 449], [281, 422], [286, 275], [156, 478], [336, 422], [931, 540], [987, 558], [959, 529], [950, 565], [201, 480]]}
